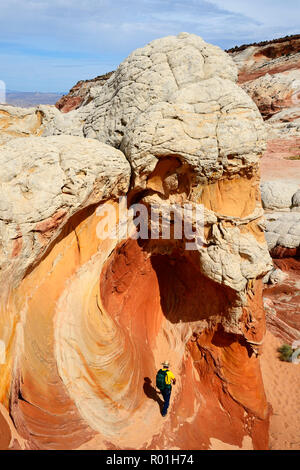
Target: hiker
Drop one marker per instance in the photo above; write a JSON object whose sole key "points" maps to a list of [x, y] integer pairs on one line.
{"points": [[164, 380]]}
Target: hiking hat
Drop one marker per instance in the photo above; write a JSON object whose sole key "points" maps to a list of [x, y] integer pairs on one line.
{"points": [[166, 364]]}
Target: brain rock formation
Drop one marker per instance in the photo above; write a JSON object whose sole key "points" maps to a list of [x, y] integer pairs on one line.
{"points": [[86, 320]]}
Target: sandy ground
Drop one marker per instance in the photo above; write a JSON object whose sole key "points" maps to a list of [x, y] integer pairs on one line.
{"points": [[276, 163], [282, 385]]}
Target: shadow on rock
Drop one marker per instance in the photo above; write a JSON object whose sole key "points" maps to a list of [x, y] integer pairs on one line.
{"points": [[151, 392]]}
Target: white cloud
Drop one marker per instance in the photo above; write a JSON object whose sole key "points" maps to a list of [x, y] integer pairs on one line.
{"points": [[268, 13], [103, 32]]}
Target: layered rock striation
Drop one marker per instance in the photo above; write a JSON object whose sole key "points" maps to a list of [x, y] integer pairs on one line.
{"points": [[87, 319], [270, 74]]}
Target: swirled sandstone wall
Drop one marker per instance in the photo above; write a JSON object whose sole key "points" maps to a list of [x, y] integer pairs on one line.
{"points": [[86, 320]]}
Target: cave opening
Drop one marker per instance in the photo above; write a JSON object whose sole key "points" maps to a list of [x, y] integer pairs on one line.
{"points": [[148, 281], [186, 295]]}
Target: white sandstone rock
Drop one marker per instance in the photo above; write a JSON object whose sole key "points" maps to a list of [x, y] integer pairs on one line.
{"points": [[296, 199], [44, 180], [177, 96], [277, 276], [277, 194], [283, 228]]}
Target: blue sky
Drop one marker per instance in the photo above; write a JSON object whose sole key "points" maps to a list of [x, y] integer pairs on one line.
{"points": [[50, 45]]}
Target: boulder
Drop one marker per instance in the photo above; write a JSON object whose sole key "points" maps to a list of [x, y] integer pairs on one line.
{"points": [[18, 122], [283, 230], [28, 122], [278, 194], [277, 276], [296, 199]]}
